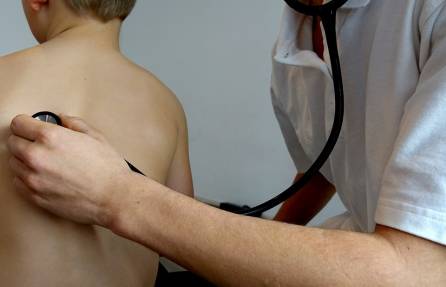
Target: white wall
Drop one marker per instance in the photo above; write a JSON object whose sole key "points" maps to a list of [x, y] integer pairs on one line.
{"points": [[215, 55]]}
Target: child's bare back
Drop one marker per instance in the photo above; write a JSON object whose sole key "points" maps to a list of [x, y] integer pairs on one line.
{"points": [[81, 72]]}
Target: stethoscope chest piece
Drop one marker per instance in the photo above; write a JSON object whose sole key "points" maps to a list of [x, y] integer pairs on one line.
{"points": [[48, 117]]}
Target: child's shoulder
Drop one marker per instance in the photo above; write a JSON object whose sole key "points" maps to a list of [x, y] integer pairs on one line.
{"points": [[151, 87], [19, 55], [14, 65]]}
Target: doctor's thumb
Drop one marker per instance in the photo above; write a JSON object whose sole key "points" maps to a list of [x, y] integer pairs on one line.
{"points": [[79, 125]]}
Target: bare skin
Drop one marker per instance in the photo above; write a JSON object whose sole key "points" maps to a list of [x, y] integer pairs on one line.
{"points": [[81, 72], [227, 249], [305, 205]]}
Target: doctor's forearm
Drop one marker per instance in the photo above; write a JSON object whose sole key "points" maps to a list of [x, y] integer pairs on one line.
{"points": [[232, 250]]}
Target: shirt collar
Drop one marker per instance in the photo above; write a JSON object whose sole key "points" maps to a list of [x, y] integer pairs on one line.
{"points": [[353, 4]]}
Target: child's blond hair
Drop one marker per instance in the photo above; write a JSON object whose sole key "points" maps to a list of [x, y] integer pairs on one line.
{"points": [[105, 10]]}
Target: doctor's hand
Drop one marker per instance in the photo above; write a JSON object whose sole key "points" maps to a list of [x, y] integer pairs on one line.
{"points": [[68, 171]]}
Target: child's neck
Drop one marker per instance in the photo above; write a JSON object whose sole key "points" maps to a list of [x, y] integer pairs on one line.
{"points": [[102, 35]]}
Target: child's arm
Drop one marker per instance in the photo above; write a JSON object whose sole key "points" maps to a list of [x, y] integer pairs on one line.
{"points": [[180, 175]]}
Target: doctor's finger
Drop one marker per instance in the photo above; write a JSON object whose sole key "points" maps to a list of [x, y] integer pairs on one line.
{"points": [[20, 170], [27, 127], [20, 147], [79, 125], [21, 188], [27, 177], [29, 194]]}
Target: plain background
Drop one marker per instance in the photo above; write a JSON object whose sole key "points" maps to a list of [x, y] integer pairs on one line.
{"points": [[215, 55]]}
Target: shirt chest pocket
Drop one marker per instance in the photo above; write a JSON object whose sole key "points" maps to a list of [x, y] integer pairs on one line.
{"points": [[302, 84]]}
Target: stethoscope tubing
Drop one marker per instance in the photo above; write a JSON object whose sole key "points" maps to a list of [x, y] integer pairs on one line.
{"points": [[327, 12]]}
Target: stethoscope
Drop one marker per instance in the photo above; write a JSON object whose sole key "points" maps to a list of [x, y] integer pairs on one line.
{"points": [[327, 14]]}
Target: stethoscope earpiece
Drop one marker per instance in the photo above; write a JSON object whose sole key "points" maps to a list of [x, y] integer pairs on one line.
{"points": [[48, 117]]}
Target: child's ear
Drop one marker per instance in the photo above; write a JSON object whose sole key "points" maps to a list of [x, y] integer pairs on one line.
{"points": [[37, 5]]}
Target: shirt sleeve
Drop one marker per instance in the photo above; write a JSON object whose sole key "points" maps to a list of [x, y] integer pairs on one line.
{"points": [[295, 149], [413, 191]]}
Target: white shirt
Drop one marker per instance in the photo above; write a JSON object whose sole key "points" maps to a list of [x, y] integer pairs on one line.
{"points": [[389, 166]]}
